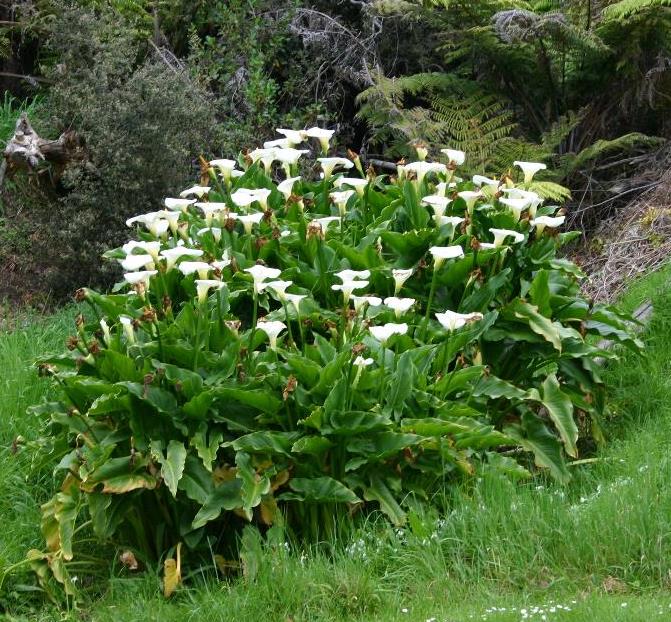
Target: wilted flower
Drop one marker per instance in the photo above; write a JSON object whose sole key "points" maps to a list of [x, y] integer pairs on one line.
{"points": [[171, 255], [547, 221], [272, 329], [203, 287], [383, 333], [400, 277], [329, 164], [530, 169], [286, 187], [441, 253], [340, 199], [399, 305], [454, 156], [201, 267], [500, 236], [199, 191], [180, 205], [261, 273], [324, 137], [439, 205], [453, 321]]}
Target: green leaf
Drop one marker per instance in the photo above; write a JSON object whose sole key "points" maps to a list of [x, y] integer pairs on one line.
{"points": [[382, 445], [314, 445], [537, 322], [265, 442], [402, 381], [256, 398], [163, 401], [226, 496], [319, 490], [352, 422], [480, 299], [254, 486], [207, 447], [378, 491], [186, 382], [494, 387], [196, 482], [560, 408], [540, 292], [459, 380], [172, 464]]}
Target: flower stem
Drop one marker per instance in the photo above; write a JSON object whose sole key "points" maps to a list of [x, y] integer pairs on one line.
{"points": [[286, 314], [255, 313], [432, 292]]}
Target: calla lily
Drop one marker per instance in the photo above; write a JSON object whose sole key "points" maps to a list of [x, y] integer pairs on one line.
{"points": [[295, 300], [286, 187], [359, 361], [266, 156], [400, 277], [144, 219], [324, 136], [441, 253], [278, 143], [173, 220], [289, 156], [399, 305], [210, 210], [471, 197], [361, 301], [199, 191], [421, 169], [203, 287], [294, 137], [224, 262], [325, 222], [547, 221], [226, 167], [127, 323], [531, 197], [107, 337], [139, 278], [351, 275], [357, 183], [348, 287], [455, 221], [453, 321], [135, 262], [454, 156], [530, 169], [340, 199], [279, 288], [158, 228], [261, 273], [500, 236], [439, 205], [248, 220], [246, 196], [400, 172], [486, 246], [385, 332], [481, 180], [215, 231], [516, 206], [329, 164], [171, 255], [201, 267], [272, 329], [151, 248], [180, 205]]}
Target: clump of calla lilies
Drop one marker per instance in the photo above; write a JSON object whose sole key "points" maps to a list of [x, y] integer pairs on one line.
{"points": [[299, 339]]}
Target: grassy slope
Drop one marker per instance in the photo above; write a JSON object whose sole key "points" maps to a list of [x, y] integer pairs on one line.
{"points": [[600, 546]]}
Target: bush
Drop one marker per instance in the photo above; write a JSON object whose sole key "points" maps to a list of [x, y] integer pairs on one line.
{"points": [[202, 395]]}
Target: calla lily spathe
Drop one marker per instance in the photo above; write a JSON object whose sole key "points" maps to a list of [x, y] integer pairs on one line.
{"points": [[226, 167], [330, 164], [150, 248], [295, 300], [351, 275], [340, 199], [244, 197], [294, 137], [470, 197], [127, 324], [199, 191], [547, 221], [357, 183], [530, 169], [171, 255], [324, 136], [248, 220], [453, 321], [201, 267], [439, 205], [278, 288], [139, 278], [210, 210], [347, 287], [215, 231], [272, 329], [454, 156], [422, 169], [203, 287], [399, 305], [361, 301], [180, 205], [286, 187], [261, 273], [500, 236], [481, 180], [386, 331], [515, 206], [441, 253], [400, 277], [134, 262]]}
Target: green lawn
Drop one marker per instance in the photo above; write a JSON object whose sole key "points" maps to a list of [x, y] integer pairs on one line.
{"points": [[596, 550]]}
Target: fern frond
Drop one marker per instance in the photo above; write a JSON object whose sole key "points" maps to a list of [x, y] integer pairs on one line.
{"points": [[551, 191], [626, 8]]}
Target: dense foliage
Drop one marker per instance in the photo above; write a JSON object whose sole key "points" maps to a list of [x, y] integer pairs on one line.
{"points": [[296, 352]]}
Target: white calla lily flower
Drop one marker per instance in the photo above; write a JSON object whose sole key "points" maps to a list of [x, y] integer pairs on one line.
{"points": [[158, 228], [359, 361], [471, 197], [210, 210], [530, 169], [454, 156], [441, 253], [171, 255], [139, 278], [481, 180], [150, 248], [295, 300], [279, 288], [289, 156], [278, 143], [225, 166], [215, 231], [438, 204], [386, 331], [361, 301], [203, 287], [198, 191], [400, 277], [515, 206], [357, 183], [547, 221], [201, 267], [286, 187], [352, 275], [294, 137], [399, 305], [273, 330], [500, 236], [180, 205], [266, 156], [260, 274], [144, 219], [325, 222], [134, 262], [455, 221], [324, 136], [127, 323], [330, 164], [173, 220], [248, 220], [453, 321], [107, 337], [340, 199], [347, 287], [421, 169]]}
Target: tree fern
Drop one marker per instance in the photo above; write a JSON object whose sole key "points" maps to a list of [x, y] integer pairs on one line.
{"points": [[626, 8]]}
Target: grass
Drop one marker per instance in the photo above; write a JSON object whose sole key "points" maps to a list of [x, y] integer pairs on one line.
{"points": [[600, 547]]}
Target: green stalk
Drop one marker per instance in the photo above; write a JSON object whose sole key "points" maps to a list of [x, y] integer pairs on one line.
{"points": [[255, 313], [286, 315], [197, 348], [432, 292], [322, 270], [382, 379]]}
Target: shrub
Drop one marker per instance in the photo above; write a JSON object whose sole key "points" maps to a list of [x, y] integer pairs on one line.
{"points": [[227, 379]]}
